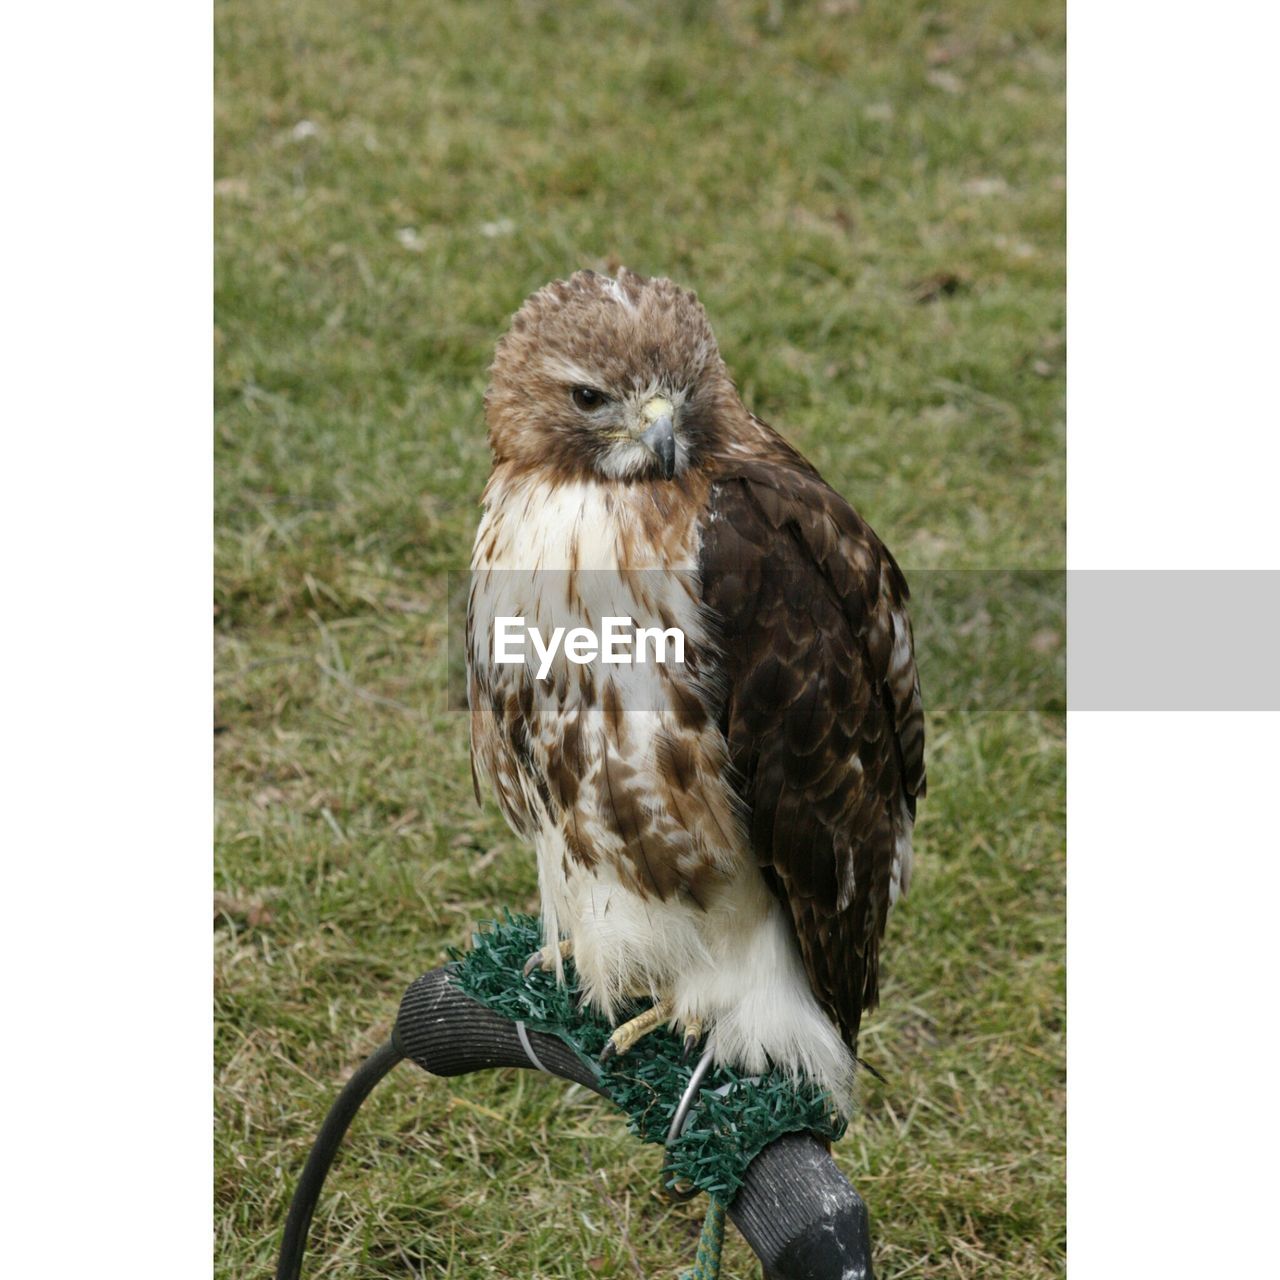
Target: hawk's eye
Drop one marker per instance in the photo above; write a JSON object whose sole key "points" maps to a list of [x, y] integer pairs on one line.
{"points": [[588, 398]]}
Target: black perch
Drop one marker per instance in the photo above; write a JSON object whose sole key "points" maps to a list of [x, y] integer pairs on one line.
{"points": [[794, 1208]]}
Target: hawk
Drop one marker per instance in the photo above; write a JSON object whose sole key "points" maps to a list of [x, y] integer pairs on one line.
{"points": [[723, 835]]}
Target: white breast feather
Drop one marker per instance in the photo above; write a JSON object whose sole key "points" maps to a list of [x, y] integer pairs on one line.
{"points": [[733, 965]]}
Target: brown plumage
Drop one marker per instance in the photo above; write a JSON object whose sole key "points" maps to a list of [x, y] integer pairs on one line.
{"points": [[725, 834], [825, 730]]}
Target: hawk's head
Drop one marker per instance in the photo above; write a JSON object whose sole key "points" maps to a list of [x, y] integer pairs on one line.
{"points": [[618, 379]]}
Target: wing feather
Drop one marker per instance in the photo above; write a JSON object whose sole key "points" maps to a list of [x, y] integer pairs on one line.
{"points": [[822, 710]]}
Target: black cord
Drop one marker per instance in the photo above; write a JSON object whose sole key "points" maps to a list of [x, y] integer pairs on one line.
{"points": [[795, 1208], [329, 1139]]}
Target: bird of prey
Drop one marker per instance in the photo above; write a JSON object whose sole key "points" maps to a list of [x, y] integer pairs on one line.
{"points": [[723, 835]]}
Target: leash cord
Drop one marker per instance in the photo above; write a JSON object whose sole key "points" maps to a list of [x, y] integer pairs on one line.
{"points": [[710, 1244], [310, 1184]]}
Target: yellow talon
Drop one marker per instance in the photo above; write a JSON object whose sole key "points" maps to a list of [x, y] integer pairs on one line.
{"points": [[692, 1034], [629, 1034], [544, 957]]}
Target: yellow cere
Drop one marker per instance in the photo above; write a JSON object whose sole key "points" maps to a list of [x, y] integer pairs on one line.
{"points": [[657, 408]]}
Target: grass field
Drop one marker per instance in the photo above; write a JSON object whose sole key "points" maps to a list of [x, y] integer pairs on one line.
{"points": [[869, 199]]}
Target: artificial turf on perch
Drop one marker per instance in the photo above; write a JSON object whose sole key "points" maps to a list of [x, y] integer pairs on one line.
{"points": [[725, 1131], [733, 1118]]}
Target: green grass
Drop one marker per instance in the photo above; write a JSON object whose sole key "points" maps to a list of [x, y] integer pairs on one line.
{"points": [[869, 200]]}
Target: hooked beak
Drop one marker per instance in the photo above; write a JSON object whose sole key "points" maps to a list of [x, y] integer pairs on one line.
{"points": [[660, 436], [661, 440]]}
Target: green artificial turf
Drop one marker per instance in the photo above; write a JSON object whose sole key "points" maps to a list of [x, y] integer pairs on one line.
{"points": [[868, 198], [732, 1118]]}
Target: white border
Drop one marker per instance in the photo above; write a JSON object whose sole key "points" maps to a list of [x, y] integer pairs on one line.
{"points": [[1173, 459], [105, 508], [1174, 454], [1174, 879]]}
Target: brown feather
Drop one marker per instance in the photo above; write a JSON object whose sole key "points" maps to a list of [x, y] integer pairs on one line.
{"points": [[798, 728], [825, 733]]}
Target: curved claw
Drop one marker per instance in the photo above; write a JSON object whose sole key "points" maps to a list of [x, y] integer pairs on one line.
{"points": [[692, 1035], [627, 1034], [543, 957]]}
